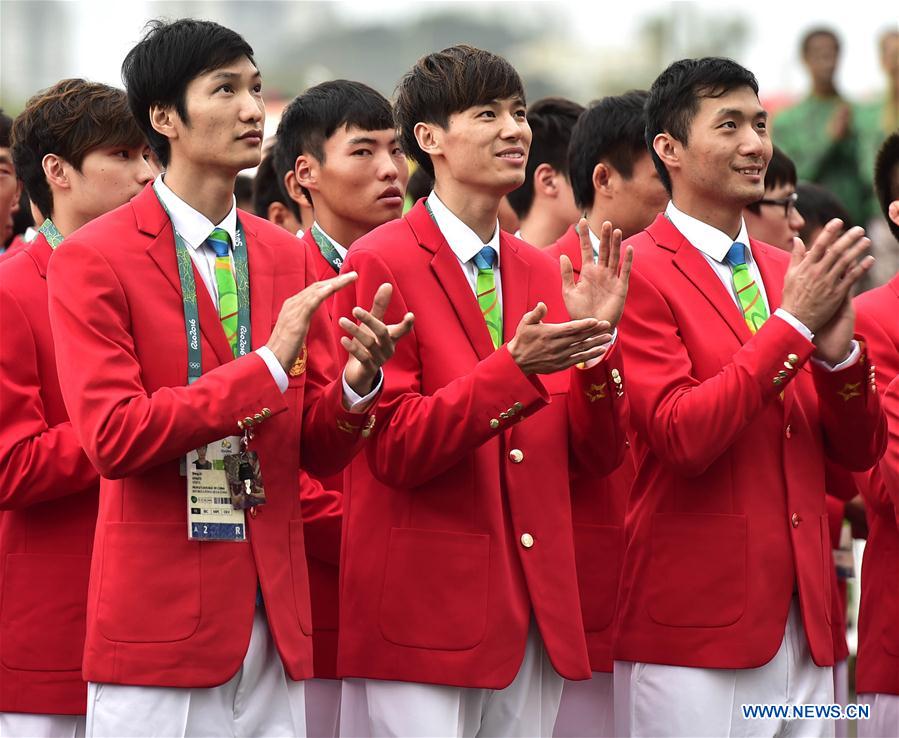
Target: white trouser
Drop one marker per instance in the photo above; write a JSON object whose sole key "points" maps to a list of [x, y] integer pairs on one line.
{"points": [[884, 719], [30, 725], [322, 708], [661, 700], [587, 708], [526, 708], [841, 695], [260, 700]]}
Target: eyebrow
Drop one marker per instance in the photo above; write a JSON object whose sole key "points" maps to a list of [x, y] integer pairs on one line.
{"points": [[361, 140], [5, 159], [232, 75], [737, 113]]}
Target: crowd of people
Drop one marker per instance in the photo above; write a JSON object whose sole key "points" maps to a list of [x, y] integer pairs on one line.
{"points": [[462, 417]]}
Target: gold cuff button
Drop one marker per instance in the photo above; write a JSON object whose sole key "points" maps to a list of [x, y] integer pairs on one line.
{"points": [[527, 540], [795, 519], [516, 455], [494, 423]]}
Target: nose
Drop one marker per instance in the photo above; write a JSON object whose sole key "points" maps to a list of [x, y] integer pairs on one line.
{"points": [[512, 127], [387, 167], [252, 108], [796, 221]]}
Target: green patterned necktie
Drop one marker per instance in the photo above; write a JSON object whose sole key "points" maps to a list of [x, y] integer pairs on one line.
{"points": [[488, 300], [754, 309], [220, 242]]}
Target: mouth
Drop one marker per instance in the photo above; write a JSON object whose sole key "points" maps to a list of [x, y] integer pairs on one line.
{"points": [[391, 196], [515, 155], [753, 172], [252, 136]]}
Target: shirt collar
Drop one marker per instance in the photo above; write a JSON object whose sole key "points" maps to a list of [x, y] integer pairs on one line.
{"points": [[594, 242], [708, 239], [464, 242], [191, 225], [341, 250]]}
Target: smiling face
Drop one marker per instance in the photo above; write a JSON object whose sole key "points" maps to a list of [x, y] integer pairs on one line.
{"points": [[723, 164], [225, 115], [484, 147]]}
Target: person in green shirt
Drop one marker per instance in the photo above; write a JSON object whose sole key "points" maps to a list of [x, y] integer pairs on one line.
{"points": [[878, 119], [820, 133]]}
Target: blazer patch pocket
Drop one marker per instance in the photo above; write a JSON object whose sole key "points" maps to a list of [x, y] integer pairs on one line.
{"points": [[697, 570], [435, 589]]}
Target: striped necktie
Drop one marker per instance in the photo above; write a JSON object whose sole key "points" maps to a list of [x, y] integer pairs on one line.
{"points": [[754, 309], [220, 242], [488, 300]]}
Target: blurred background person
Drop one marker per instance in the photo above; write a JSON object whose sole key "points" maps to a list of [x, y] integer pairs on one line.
{"points": [[774, 219], [10, 187], [269, 199]]}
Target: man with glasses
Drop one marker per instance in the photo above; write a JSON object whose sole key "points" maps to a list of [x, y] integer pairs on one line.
{"points": [[774, 219]]}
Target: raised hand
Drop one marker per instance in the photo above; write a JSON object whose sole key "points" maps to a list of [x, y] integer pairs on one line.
{"points": [[602, 288], [293, 321], [372, 343], [544, 348]]}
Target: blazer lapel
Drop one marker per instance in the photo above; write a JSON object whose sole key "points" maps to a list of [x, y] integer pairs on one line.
{"points": [[448, 271], [515, 283], [152, 221]]}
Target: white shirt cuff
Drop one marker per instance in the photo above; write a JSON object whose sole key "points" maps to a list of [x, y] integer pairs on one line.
{"points": [[593, 362], [274, 366], [353, 402], [795, 322], [854, 354]]}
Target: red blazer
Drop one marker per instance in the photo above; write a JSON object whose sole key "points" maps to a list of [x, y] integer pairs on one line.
{"points": [[323, 545], [727, 511], [48, 494], [163, 610], [597, 506], [877, 668], [458, 522]]}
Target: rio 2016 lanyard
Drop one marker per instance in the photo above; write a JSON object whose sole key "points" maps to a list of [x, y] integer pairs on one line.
{"points": [[189, 299], [51, 233], [327, 248]]}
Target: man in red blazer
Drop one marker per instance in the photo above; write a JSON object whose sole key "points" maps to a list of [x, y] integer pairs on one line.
{"points": [[10, 184], [613, 179], [339, 140], [198, 617], [459, 604], [744, 375], [877, 670], [80, 153]]}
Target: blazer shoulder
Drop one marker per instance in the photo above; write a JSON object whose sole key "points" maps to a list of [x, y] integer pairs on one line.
{"points": [[388, 239], [112, 234]]}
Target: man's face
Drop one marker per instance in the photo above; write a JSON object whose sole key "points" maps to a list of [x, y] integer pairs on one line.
{"points": [[776, 223], [821, 56], [225, 117], [109, 177], [728, 151], [486, 146], [362, 178], [637, 201], [9, 194]]}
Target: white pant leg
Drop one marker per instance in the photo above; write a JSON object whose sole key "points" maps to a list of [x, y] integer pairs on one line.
{"points": [[375, 708], [884, 719], [32, 725], [322, 708], [586, 709], [841, 695], [529, 705], [257, 701]]}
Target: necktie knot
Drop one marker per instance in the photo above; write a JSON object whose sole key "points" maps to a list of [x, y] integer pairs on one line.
{"points": [[736, 254], [219, 241], [485, 258]]}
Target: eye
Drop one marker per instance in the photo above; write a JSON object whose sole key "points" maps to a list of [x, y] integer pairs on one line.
{"points": [[257, 88], [397, 151], [522, 113], [224, 88], [728, 124], [361, 152], [762, 125], [486, 114], [122, 154]]}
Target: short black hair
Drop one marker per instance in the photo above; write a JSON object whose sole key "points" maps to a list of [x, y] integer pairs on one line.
{"points": [[674, 98], [815, 32], [781, 171], [611, 129], [166, 60], [818, 206], [313, 117], [551, 120], [243, 191], [267, 190], [420, 185], [886, 178], [448, 82], [5, 128]]}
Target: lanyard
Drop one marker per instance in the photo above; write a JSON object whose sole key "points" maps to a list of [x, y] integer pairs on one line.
{"points": [[51, 233], [327, 248], [189, 299]]}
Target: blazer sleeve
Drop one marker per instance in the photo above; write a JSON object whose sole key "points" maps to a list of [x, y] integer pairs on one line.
{"points": [[670, 406], [889, 464], [417, 436], [322, 511], [38, 462]]}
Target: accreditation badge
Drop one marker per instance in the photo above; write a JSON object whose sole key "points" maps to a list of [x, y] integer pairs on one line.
{"points": [[211, 516]]}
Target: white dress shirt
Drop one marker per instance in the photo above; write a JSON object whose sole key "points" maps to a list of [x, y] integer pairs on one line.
{"points": [[714, 245], [194, 228]]}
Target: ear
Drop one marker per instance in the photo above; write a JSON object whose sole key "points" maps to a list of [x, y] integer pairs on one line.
{"points": [[163, 121], [429, 137], [545, 181], [56, 170], [306, 170], [602, 176], [893, 211], [667, 149], [277, 213]]}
